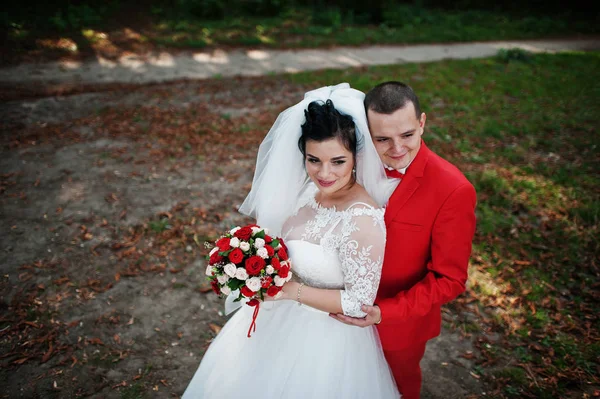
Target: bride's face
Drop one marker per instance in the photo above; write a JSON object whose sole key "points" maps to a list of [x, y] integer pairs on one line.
{"points": [[329, 164]]}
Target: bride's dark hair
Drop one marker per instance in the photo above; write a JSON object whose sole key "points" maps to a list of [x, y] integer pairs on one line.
{"points": [[324, 122]]}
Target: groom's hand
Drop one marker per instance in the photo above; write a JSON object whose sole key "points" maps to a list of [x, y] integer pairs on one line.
{"points": [[373, 316]]}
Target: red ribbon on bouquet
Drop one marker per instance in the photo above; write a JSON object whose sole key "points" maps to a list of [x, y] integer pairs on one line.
{"points": [[256, 304]]}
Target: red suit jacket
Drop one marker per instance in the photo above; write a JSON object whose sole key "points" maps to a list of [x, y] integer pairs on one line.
{"points": [[430, 220]]}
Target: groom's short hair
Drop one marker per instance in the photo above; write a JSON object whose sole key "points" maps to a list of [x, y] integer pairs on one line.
{"points": [[388, 97]]}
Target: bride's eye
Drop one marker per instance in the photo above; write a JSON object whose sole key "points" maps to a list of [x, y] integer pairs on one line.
{"points": [[312, 160], [339, 162]]}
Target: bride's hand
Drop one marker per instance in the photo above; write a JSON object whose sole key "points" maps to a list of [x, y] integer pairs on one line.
{"points": [[288, 291]]}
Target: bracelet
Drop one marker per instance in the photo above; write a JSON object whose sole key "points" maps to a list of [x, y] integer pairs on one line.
{"points": [[380, 315], [299, 291]]}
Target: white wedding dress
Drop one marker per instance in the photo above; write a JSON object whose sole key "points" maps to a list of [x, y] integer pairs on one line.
{"points": [[298, 351]]}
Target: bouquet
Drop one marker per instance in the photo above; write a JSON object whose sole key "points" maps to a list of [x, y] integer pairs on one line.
{"points": [[248, 260]]}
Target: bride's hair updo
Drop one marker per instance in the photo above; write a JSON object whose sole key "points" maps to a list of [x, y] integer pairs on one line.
{"points": [[324, 122]]}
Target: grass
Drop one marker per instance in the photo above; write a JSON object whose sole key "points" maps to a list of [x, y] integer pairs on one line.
{"points": [[524, 129], [90, 30], [401, 24], [134, 391], [158, 226]]}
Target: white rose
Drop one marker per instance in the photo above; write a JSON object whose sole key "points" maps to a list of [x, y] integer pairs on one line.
{"points": [[244, 246], [253, 283], [226, 290], [212, 251], [289, 277], [230, 269], [263, 253], [241, 273], [284, 263], [255, 230], [223, 279], [259, 243], [209, 270], [232, 231], [266, 230], [234, 242], [279, 281], [270, 269]]}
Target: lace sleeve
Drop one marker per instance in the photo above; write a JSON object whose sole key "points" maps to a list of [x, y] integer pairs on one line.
{"points": [[361, 256]]}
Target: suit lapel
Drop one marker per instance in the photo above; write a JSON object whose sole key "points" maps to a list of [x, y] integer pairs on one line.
{"points": [[402, 194], [409, 185]]}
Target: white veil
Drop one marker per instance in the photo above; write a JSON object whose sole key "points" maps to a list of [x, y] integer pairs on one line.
{"points": [[280, 177]]}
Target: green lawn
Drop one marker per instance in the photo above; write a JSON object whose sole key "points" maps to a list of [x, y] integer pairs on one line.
{"points": [[402, 24], [86, 30], [524, 129]]}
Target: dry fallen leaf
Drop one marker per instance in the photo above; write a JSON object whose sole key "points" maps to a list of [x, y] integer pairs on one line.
{"points": [[48, 354], [121, 384], [95, 341], [215, 328], [474, 375], [203, 289]]}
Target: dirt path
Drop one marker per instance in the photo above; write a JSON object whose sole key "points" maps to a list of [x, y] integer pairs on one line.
{"points": [[164, 66], [106, 200]]}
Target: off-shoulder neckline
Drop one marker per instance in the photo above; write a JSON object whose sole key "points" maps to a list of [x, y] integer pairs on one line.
{"points": [[316, 205]]}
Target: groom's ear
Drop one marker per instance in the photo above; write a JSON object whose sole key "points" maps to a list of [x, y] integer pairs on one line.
{"points": [[422, 120]]}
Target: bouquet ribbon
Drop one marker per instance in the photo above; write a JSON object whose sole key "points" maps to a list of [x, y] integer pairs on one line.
{"points": [[256, 304]]}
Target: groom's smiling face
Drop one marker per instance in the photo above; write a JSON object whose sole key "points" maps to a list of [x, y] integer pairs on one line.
{"points": [[397, 136]]}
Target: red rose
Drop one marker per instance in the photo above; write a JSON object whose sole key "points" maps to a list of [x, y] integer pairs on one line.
{"points": [[275, 263], [236, 256], [270, 251], [266, 282], [215, 287], [282, 253], [223, 243], [244, 233], [215, 258], [253, 302], [247, 292], [268, 239], [273, 290], [254, 265], [284, 271]]}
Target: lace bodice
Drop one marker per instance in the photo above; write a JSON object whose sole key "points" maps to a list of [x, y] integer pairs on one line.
{"points": [[338, 249]]}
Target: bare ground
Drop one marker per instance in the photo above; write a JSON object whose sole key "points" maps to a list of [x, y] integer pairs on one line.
{"points": [[107, 199]]}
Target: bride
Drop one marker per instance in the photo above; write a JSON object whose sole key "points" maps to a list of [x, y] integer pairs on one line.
{"points": [[319, 184]]}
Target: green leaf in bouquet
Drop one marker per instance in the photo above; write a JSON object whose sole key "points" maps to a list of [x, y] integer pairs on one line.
{"points": [[260, 234], [274, 243], [236, 284], [225, 253]]}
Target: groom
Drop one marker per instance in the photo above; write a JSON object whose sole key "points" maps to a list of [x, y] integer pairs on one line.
{"points": [[430, 220]]}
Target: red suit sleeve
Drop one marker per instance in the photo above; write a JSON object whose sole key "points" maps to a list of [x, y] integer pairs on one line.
{"points": [[452, 236]]}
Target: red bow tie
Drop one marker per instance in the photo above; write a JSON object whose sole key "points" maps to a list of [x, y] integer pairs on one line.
{"points": [[393, 173]]}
